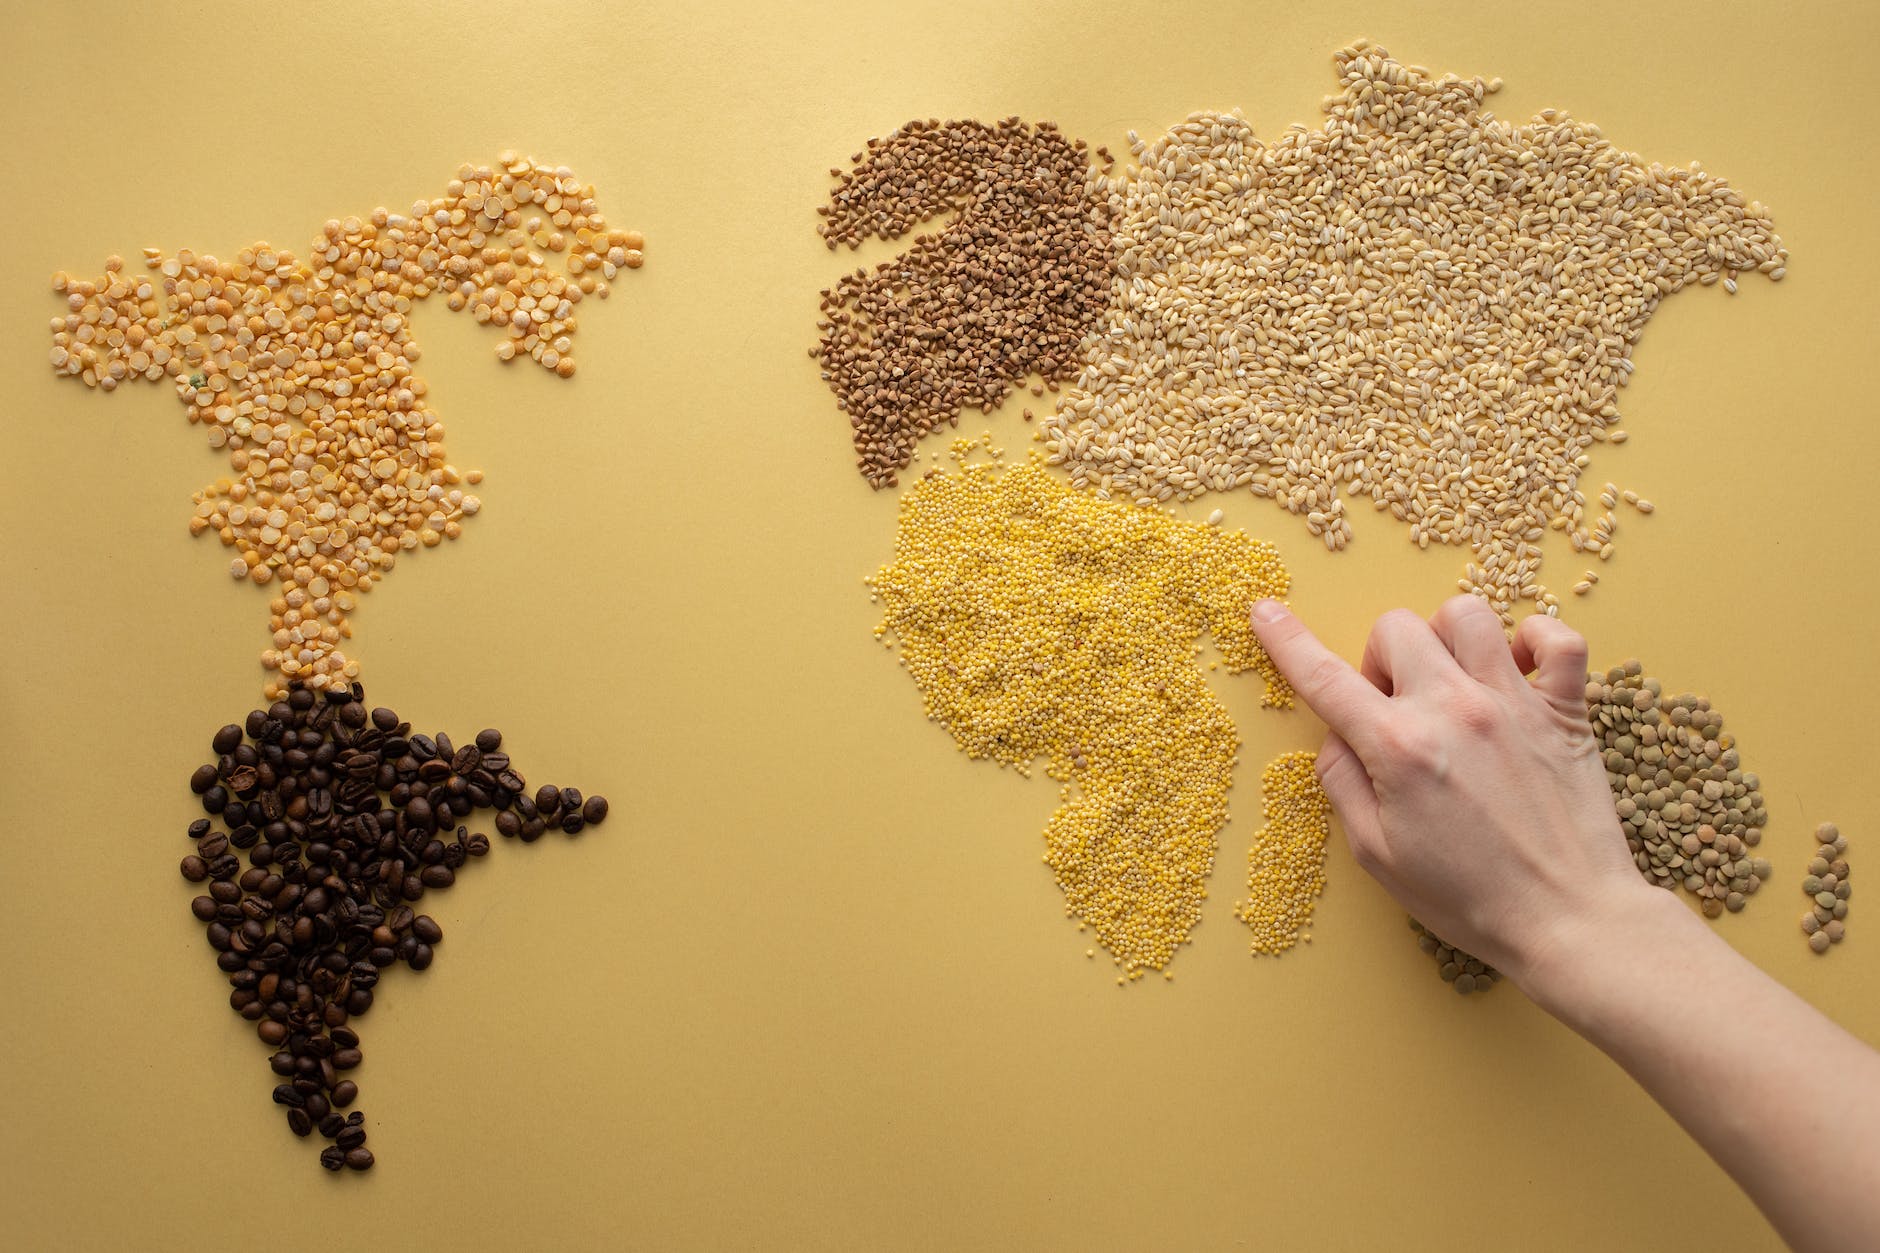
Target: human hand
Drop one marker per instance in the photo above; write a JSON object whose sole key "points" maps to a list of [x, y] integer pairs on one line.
{"points": [[1473, 793]]}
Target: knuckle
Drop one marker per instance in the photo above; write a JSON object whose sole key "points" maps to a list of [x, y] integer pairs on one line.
{"points": [[1321, 673], [1402, 748], [1473, 712], [1372, 854], [1325, 766]]}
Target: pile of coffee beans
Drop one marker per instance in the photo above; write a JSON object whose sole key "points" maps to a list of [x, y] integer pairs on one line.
{"points": [[1827, 888], [346, 819]]}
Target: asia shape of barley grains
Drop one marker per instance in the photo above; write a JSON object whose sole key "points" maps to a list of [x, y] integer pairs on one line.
{"points": [[1418, 303]]}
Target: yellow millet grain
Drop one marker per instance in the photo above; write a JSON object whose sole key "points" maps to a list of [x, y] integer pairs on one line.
{"points": [[1286, 867], [1039, 622], [303, 370]]}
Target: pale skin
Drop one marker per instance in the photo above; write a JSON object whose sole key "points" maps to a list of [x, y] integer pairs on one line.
{"points": [[1466, 778]]}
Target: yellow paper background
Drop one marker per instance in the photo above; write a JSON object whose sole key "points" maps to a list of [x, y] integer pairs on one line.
{"points": [[811, 986]]}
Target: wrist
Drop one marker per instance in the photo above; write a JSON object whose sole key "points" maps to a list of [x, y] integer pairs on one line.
{"points": [[1563, 968]]}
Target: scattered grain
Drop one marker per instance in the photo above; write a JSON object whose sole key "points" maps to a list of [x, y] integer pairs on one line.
{"points": [[1286, 866], [1008, 289], [1827, 883], [303, 370], [1040, 622], [1690, 812], [1419, 303]]}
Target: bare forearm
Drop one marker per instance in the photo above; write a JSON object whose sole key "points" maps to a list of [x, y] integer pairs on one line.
{"points": [[1785, 1101]]}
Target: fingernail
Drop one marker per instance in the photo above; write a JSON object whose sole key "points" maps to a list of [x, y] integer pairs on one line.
{"points": [[1268, 610]]}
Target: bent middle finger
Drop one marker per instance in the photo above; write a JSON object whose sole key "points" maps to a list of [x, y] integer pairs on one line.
{"points": [[1405, 654]]}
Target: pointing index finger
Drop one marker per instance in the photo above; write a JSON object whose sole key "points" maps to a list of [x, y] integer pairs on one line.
{"points": [[1337, 693]]}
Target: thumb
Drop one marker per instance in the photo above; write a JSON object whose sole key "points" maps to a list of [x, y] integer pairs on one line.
{"points": [[1343, 777]]}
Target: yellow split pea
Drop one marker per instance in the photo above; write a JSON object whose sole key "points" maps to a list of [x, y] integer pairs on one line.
{"points": [[1041, 622], [304, 371]]}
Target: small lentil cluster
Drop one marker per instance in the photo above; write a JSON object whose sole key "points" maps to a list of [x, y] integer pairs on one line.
{"points": [[1418, 303], [1008, 289], [347, 820], [1458, 969], [303, 370], [1690, 812], [1040, 622], [1828, 890], [1286, 867]]}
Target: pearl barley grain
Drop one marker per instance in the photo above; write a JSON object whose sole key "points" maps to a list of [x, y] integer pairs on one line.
{"points": [[1417, 303]]}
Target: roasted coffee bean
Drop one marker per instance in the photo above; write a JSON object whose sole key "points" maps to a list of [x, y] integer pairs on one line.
{"points": [[333, 1157], [344, 813], [595, 810], [350, 1138], [548, 798], [359, 1159], [572, 822]]}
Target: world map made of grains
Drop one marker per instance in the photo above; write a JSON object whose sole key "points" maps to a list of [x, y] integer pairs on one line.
{"points": [[1417, 303], [303, 370]]}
